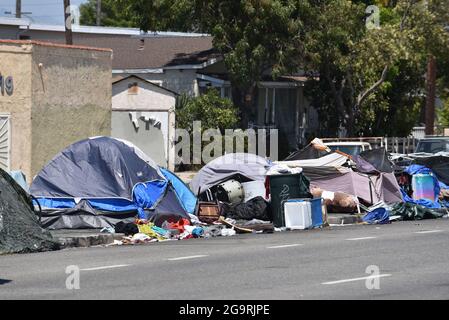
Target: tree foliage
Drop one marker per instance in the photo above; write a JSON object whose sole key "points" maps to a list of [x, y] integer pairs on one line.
{"points": [[368, 77], [213, 111], [112, 14], [371, 76]]}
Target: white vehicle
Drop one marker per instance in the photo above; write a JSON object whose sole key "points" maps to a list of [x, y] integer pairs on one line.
{"points": [[350, 148]]}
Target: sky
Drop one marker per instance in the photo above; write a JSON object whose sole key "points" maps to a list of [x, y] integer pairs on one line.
{"points": [[42, 11]]}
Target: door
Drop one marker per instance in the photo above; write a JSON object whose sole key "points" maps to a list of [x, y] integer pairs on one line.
{"points": [[5, 142]]}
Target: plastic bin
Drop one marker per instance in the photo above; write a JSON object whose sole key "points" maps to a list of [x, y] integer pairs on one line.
{"points": [[298, 215], [316, 211], [285, 187], [423, 186]]}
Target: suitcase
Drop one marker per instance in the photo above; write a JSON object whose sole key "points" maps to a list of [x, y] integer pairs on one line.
{"points": [[208, 212]]}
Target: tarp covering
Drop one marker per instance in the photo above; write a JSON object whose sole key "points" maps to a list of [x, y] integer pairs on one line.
{"points": [[20, 178], [94, 168], [256, 208], [333, 160], [377, 158], [112, 175], [185, 195], [438, 164], [248, 166], [20, 231], [369, 188], [410, 211], [84, 216], [377, 216], [309, 152]]}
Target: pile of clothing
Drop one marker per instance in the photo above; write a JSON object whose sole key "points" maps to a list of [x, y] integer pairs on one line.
{"points": [[168, 228]]}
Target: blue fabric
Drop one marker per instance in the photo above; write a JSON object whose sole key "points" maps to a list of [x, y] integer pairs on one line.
{"points": [[184, 194], [19, 177], [423, 202], [147, 195], [379, 216], [419, 169], [112, 205]]}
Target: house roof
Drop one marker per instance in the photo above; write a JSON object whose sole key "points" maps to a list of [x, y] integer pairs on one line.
{"points": [[55, 45], [132, 49], [147, 53], [116, 80], [131, 52]]}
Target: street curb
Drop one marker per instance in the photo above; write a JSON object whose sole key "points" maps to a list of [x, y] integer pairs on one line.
{"points": [[342, 220], [87, 241]]}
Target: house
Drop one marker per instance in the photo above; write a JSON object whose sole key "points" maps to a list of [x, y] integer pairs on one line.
{"points": [[187, 63], [143, 113], [51, 95]]}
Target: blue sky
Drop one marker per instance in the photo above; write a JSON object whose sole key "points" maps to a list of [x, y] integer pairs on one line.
{"points": [[43, 11]]}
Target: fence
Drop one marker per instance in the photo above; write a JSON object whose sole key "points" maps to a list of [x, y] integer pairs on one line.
{"points": [[392, 144]]}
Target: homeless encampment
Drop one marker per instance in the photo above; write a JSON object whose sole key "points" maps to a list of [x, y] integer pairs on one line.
{"points": [[99, 181], [20, 231], [330, 173]]}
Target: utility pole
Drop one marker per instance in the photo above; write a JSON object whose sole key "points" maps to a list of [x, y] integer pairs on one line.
{"points": [[68, 23], [98, 12], [19, 9], [431, 95]]}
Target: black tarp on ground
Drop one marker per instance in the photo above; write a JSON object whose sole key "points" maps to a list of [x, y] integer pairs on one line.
{"points": [[20, 231], [410, 211], [83, 216]]}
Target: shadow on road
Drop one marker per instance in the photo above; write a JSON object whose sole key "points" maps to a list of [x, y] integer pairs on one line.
{"points": [[4, 281]]}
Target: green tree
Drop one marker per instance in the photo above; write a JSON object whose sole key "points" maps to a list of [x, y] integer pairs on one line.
{"points": [[154, 15], [213, 111], [365, 74], [443, 114], [112, 14], [254, 36]]}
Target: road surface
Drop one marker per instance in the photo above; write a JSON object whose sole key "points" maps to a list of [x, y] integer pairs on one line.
{"points": [[405, 260]]}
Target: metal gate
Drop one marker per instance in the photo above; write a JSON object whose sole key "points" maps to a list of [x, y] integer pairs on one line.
{"points": [[5, 142]]}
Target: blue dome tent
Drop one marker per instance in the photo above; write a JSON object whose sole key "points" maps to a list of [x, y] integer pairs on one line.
{"points": [[183, 192], [99, 181]]}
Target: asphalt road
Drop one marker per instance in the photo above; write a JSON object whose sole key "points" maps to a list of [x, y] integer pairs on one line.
{"points": [[412, 259]]}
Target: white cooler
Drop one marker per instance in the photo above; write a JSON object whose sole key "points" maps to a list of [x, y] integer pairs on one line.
{"points": [[298, 215], [254, 189]]}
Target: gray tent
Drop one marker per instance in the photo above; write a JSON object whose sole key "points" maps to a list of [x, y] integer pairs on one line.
{"points": [[244, 166], [371, 188]]}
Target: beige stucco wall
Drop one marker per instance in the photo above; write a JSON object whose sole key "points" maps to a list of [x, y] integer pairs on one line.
{"points": [[15, 61], [148, 97], [71, 99], [157, 142]]}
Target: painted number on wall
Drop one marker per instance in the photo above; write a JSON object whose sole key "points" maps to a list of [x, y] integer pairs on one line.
{"points": [[6, 85]]}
